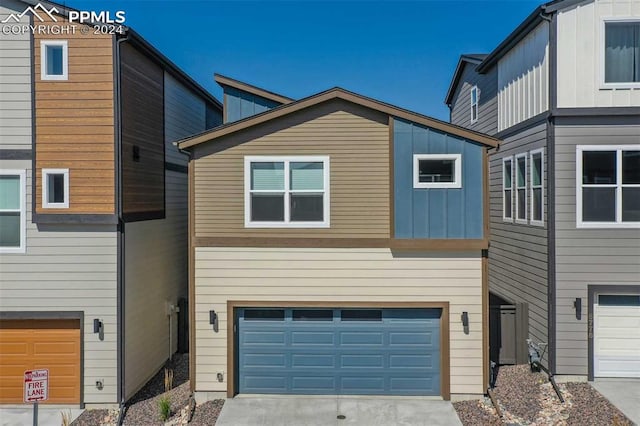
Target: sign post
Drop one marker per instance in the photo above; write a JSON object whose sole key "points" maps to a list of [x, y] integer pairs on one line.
{"points": [[36, 389]]}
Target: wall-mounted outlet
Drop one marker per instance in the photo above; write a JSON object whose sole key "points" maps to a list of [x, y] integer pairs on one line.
{"points": [[100, 384]]}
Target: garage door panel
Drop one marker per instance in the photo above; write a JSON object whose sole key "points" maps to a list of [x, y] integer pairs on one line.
{"points": [[263, 338], [40, 344], [376, 351]]}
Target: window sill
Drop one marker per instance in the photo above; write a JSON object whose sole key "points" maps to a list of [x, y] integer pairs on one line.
{"points": [[280, 225], [619, 86], [522, 221], [54, 78], [14, 250], [606, 225], [537, 223]]}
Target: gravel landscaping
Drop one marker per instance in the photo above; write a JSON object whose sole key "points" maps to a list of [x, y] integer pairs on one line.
{"points": [[206, 414], [527, 398]]}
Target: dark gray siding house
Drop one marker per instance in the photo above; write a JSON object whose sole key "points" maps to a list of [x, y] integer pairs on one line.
{"points": [[564, 209]]}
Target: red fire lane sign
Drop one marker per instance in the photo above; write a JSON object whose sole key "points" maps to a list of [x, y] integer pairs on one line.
{"points": [[36, 385]]}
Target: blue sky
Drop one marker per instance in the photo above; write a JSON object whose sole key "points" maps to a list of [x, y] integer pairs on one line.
{"points": [[403, 53]]}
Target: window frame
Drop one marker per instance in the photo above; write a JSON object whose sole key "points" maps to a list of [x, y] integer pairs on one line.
{"points": [[45, 189], [532, 221], [619, 224], [43, 60], [526, 189], [602, 55], [476, 104], [457, 171], [287, 159], [22, 173], [504, 189]]}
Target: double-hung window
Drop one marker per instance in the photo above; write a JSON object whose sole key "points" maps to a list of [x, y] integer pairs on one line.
{"points": [[622, 53], [12, 211], [536, 182], [608, 186], [286, 192], [521, 187], [507, 188], [54, 60], [474, 104]]}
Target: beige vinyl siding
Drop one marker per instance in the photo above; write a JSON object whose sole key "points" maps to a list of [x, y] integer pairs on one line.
{"points": [[518, 255], [356, 140], [326, 275], [68, 268], [488, 100], [184, 115], [15, 82], [586, 256]]}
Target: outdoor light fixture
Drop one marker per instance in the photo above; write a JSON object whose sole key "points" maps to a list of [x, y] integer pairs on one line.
{"points": [[98, 327], [577, 305], [213, 320], [465, 322]]}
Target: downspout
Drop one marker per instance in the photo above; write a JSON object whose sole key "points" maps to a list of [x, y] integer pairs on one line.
{"points": [[121, 242]]}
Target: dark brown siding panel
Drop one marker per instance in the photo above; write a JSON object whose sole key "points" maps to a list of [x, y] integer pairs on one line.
{"points": [[142, 133]]}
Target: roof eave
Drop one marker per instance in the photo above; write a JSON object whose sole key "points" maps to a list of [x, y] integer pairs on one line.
{"points": [[456, 76]]}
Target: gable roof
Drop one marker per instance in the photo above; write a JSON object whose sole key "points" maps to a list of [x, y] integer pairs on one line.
{"points": [[335, 93], [245, 87], [466, 58]]}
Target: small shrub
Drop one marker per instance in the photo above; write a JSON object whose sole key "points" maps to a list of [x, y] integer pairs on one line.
{"points": [[66, 417], [168, 379], [164, 406]]}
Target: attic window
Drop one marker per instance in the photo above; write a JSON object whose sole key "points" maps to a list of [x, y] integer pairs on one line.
{"points": [[437, 171], [474, 104]]}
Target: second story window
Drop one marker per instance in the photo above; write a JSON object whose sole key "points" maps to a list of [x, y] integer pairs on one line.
{"points": [[286, 192], [475, 98], [622, 52], [537, 187], [507, 188], [437, 171], [521, 187], [54, 60], [12, 211], [55, 188]]}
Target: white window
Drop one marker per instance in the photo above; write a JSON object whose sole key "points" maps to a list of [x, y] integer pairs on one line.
{"points": [[286, 192], [521, 188], [536, 182], [475, 98], [437, 171], [507, 188], [54, 60], [12, 211], [608, 186], [621, 62], [55, 188]]}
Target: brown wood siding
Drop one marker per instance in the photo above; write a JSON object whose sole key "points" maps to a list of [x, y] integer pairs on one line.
{"points": [[74, 123], [355, 138], [142, 126]]}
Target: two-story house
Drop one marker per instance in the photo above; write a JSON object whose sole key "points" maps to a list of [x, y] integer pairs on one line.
{"points": [[562, 92], [337, 247], [93, 204]]}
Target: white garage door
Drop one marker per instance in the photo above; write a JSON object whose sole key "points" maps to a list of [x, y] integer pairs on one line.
{"points": [[616, 339]]}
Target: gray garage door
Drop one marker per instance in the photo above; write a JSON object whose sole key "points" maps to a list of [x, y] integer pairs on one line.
{"points": [[339, 351]]}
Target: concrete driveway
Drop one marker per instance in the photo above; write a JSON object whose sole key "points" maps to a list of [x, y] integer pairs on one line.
{"points": [[623, 393], [23, 415], [312, 411]]}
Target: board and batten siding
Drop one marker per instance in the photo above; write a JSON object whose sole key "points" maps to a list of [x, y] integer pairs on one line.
{"points": [[586, 256], [68, 268], [184, 114], [75, 122], [355, 138], [488, 101], [332, 275], [240, 104], [15, 82], [518, 255], [523, 79], [581, 55]]}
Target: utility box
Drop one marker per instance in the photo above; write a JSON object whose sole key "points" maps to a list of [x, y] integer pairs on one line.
{"points": [[183, 326], [508, 332]]}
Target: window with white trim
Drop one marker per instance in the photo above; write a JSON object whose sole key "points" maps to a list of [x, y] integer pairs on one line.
{"points": [[286, 192], [608, 186], [437, 171], [622, 52], [475, 98], [55, 188], [507, 188], [536, 184], [54, 60], [12, 211], [521, 187]]}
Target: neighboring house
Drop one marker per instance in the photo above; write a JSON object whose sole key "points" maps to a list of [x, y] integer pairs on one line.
{"points": [[93, 213], [336, 248], [563, 94]]}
